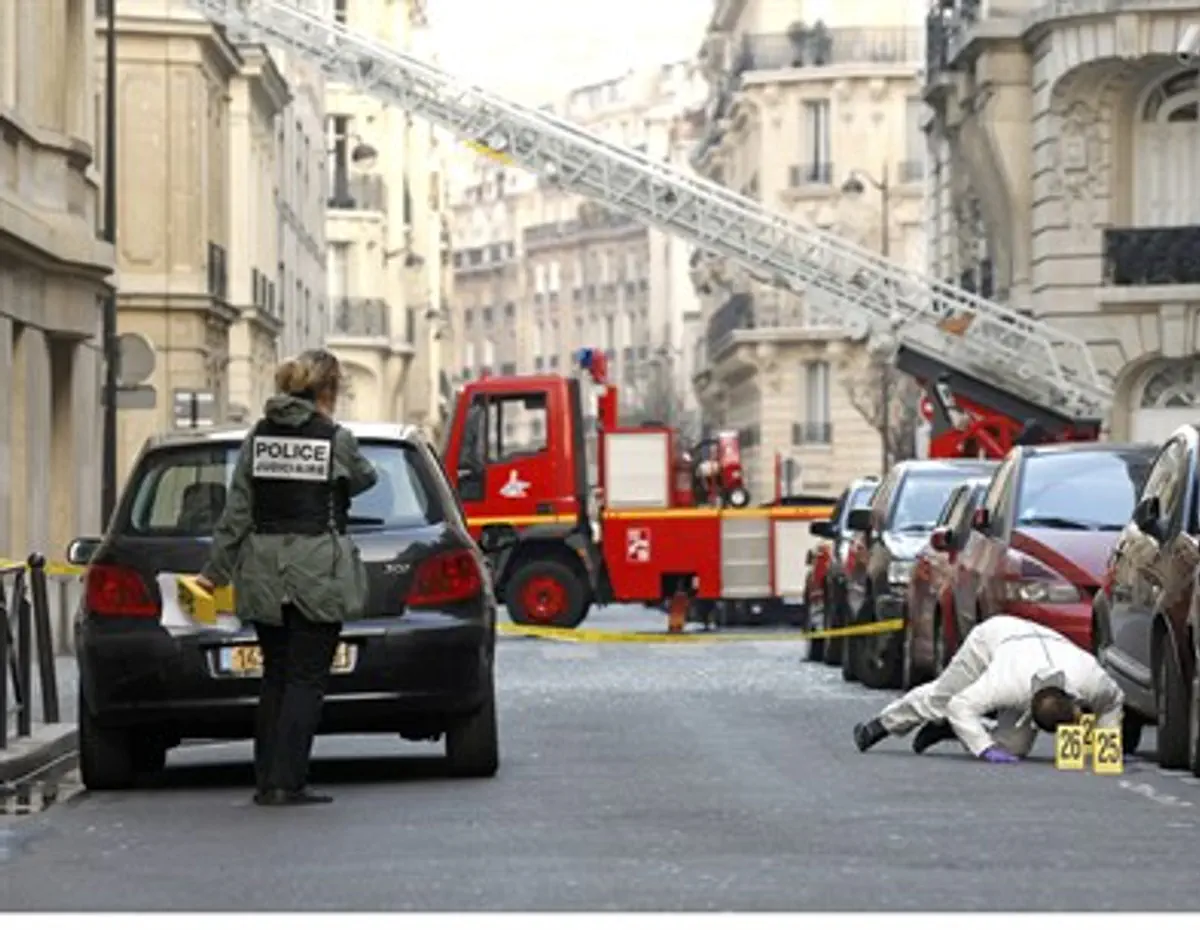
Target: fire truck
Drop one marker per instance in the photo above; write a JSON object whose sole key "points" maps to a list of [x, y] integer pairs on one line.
{"points": [[663, 524], [990, 374]]}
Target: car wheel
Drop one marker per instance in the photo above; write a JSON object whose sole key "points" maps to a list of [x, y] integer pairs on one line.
{"points": [[149, 757], [835, 646], [1172, 702], [473, 743], [880, 660], [816, 647], [939, 645], [107, 760], [546, 593], [1194, 724]]}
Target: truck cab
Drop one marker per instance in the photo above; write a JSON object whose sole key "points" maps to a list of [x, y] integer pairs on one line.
{"points": [[516, 454]]}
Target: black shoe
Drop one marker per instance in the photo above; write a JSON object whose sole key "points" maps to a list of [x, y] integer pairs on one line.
{"points": [[868, 734], [278, 798], [931, 734]]}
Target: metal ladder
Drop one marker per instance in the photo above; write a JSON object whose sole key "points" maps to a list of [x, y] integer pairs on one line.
{"points": [[1029, 360]]}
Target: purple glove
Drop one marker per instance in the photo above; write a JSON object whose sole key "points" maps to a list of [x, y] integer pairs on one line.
{"points": [[996, 754]]}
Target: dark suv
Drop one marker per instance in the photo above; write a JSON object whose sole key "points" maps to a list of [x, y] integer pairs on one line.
{"points": [[889, 535], [420, 664]]}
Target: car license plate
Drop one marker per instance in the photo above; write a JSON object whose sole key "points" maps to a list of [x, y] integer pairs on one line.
{"points": [[246, 661]]}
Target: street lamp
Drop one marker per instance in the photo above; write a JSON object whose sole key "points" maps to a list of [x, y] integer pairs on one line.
{"points": [[854, 187]]}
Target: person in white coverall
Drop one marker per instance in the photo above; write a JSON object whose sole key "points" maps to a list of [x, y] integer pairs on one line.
{"points": [[1026, 676]]}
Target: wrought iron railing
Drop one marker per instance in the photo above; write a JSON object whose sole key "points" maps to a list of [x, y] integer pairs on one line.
{"points": [[1152, 256]]}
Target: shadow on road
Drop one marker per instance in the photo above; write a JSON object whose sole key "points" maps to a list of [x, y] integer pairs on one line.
{"points": [[352, 771]]}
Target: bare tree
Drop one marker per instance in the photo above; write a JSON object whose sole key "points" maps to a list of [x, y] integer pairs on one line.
{"points": [[659, 400], [868, 386]]}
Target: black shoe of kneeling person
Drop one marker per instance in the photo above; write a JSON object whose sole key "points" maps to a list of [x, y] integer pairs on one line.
{"points": [[868, 734], [277, 797], [931, 734]]}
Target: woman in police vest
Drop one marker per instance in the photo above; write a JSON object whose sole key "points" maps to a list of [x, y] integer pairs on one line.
{"points": [[297, 575]]}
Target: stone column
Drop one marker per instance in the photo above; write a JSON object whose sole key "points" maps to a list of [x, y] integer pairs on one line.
{"points": [[30, 515], [8, 384]]}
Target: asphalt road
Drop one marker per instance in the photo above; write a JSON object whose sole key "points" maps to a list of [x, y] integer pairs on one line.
{"points": [[634, 777]]}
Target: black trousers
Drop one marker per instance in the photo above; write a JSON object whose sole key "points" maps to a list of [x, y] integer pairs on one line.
{"points": [[296, 661]]}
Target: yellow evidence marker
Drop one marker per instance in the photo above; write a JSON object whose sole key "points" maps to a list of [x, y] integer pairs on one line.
{"points": [[1069, 748], [1088, 722], [1108, 755]]}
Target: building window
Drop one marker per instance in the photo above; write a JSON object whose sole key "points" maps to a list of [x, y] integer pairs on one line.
{"points": [[340, 13], [337, 129], [816, 393], [816, 139]]}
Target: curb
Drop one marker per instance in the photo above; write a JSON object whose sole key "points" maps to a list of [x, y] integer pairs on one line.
{"points": [[50, 743]]}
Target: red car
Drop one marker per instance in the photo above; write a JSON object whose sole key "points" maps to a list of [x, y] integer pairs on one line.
{"points": [[1041, 540], [929, 631]]}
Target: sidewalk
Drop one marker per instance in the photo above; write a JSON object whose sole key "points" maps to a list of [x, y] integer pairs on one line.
{"points": [[49, 742]]}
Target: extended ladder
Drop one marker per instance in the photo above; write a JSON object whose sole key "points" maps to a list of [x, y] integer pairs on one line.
{"points": [[1034, 363]]}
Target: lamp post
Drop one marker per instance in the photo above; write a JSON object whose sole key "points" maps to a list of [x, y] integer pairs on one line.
{"points": [[854, 187]]}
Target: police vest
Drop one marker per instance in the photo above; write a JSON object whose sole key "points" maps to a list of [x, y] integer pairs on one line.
{"points": [[291, 474]]}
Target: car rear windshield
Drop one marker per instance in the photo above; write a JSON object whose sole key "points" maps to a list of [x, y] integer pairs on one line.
{"points": [[181, 491], [920, 500], [1081, 490]]}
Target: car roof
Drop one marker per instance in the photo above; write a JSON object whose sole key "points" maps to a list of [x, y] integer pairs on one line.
{"points": [[235, 432], [1066, 448]]}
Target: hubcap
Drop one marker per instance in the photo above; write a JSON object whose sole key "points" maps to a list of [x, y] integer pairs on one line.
{"points": [[544, 599]]}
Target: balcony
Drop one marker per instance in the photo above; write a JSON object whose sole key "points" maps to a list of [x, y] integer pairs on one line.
{"points": [[816, 175], [741, 314], [593, 222], [1152, 256], [363, 192], [821, 47], [360, 318], [487, 258], [262, 290], [812, 434], [946, 28]]}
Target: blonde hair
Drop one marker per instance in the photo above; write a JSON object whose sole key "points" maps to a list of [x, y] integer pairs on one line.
{"points": [[310, 374]]}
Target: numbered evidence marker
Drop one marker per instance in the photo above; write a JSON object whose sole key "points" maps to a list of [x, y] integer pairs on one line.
{"points": [[1069, 748], [1108, 753], [1088, 722]]}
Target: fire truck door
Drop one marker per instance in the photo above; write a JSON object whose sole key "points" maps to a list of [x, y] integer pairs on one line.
{"points": [[518, 467]]}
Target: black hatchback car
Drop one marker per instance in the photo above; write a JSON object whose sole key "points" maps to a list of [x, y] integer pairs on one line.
{"points": [[420, 664]]}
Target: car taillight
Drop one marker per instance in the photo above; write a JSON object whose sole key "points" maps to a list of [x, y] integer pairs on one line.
{"points": [[446, 578], [117, 591]]}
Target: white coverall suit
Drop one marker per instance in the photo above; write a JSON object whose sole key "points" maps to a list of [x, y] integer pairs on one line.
{"points": [[996, 671]]}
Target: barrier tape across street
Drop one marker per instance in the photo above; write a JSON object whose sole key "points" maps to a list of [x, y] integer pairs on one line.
{"points": [[516, 631], [52, 568]]}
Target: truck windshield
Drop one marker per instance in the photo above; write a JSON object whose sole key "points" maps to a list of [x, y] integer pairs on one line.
{"points": [[181, 491]]}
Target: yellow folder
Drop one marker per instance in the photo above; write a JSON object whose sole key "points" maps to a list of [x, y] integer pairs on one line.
{"points": [[201, 606]]}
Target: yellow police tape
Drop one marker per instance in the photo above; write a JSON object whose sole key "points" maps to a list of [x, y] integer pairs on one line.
{"points": [[52, 568], [518, 631]]}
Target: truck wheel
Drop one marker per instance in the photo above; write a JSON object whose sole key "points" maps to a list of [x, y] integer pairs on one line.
{"points": [[107, 761], [546, 593], [473, 743], [1172, 701]]}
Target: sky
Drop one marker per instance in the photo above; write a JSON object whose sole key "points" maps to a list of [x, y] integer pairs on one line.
{"points": [[534, 50]]}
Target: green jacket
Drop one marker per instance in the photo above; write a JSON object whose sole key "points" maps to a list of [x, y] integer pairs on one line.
{"points": [[322, 575]]}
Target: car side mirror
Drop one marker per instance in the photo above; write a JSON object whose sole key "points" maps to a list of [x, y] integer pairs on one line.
{"points": [[941, 539], [496, 537], [1147, 515], [981, 519], [80, 551], [859, 520], [822, 529]]}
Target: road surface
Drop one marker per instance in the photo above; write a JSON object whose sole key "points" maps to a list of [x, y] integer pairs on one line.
{"points": [[717, 777]]}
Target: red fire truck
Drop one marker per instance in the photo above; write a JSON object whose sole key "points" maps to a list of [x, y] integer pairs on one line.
{"points": [[662, 524]]}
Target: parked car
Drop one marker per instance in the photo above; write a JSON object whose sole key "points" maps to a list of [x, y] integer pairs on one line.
{"points": [[929, 639], [889, 534], [419, 665], [1040, 542], [1146, 621], [825, 586]]}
